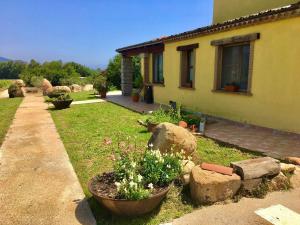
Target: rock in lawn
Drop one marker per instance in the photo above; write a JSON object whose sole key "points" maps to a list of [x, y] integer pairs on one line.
{"points": [[167, 136], [88, 87], [256, 168], [187, 167], [293, 160], [209, 187], [287, 168], [75, 88]]}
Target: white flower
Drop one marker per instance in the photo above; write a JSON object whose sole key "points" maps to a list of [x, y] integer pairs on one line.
{"points": [[168, 166], [132, 184], [131, 176], [140, 178], [167, 176], [118, 185], [151, 145], [133, 164], [150, 186]]}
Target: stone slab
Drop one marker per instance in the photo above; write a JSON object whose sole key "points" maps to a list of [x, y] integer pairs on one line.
{"points": [[256, 168]]}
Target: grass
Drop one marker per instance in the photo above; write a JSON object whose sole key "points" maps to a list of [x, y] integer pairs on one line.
{"points": [[4, 84], [8, 107], [83, 129], [83, 95]]}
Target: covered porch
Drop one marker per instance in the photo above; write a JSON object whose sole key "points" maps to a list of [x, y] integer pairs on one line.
{"points": [[144, 51]]}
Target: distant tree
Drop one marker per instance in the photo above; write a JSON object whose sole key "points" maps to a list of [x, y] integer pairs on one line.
{"points": [[11, 69]]}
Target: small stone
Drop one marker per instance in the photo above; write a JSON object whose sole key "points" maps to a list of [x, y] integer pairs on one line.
{"points": [[293, 160], [256, 168], [250, 185], [186, 171], [88, 87], [295, 178], [209, 187], [287, 168]]}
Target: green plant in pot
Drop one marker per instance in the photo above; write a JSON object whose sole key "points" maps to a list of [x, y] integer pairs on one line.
{"points": [[100, 85], [61, 102], [138, 183], [135, 95]]}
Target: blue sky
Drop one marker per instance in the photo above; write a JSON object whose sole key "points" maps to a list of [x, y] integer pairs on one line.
{"points": [[89, 31]]}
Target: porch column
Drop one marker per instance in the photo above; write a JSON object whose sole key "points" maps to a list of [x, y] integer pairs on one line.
{"points": [[126, 75], [145, 69]]}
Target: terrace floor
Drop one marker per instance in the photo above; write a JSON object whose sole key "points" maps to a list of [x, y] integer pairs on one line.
{"points": [[267, 141]]}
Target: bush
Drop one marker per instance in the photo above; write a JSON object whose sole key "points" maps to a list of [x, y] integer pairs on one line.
{"points": [[161, 116], [61, 97], [4, 84], [15, 90], [100, 84]]}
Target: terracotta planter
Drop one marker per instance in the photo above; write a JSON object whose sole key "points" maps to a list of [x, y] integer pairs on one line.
{"points": [[183, 124], [62, 104], [135, 98], [151, 126], [128, 207], [193, 128], [231, 88], [103, 94]]}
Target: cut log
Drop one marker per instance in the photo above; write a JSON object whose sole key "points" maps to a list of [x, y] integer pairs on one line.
{"points": [[256, 168]]}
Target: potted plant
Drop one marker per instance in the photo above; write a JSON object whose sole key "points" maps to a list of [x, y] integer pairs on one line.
{"points": [[231, 87], [101, 86], [138, 183], [135, 95], [63, 101]]}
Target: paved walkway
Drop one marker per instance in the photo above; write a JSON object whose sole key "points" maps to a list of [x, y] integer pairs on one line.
{"points": [[126, 101], [38, 185], [270, 142], [87, 101], [241, 213]]}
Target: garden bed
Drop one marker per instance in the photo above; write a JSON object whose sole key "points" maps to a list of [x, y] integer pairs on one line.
{"points": [[83, 129]]}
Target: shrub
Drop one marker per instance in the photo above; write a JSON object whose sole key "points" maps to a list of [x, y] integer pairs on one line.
{"points": [[62, 97], [161, 116], [100, 84], [4, 84]]}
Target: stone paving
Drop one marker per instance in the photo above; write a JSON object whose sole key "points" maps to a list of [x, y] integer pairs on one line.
{"points": [[38, 185], [88, 101], [125, 101], [267, 141]]}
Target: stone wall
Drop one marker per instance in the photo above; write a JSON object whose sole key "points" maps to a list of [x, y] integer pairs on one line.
{"points": [[126, 75]]}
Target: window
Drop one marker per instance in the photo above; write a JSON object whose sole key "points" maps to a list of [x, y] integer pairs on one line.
{"points": [[234, 58], [187, 74], [158, 76], [235, 67]]}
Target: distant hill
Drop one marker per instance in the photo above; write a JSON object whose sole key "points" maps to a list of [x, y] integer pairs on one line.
{"points": [[2, 59]]}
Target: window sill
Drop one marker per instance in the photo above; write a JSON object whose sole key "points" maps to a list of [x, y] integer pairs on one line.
{"points": [[158, 84], [234, 93], [186, 88]]}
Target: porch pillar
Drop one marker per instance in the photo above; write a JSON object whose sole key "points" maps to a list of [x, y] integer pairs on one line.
{"points": [[126, 75], [145, 69]]}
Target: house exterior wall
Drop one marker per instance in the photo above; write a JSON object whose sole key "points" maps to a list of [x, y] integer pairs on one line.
{"points": [[275, 102], [227, 9]]}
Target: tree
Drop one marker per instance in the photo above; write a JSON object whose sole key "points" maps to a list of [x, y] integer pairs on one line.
{"points": [[11, 69]]}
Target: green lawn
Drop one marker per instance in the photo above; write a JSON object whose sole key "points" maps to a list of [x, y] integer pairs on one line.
{"points": [[83, 129], [8, 107], [83, 95], [4, 84]]}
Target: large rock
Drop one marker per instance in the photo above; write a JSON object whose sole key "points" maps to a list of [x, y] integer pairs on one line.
{"points": [[256, 168], [15, 90], [279, 182], [209, 187], [46, 87], [251, 185], [167, 137], [20, 83], [88, 87], [75, 88], [293, 160], [61, 89]]}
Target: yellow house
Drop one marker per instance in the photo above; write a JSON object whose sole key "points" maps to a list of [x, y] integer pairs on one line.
{"points": [[244, 67]]}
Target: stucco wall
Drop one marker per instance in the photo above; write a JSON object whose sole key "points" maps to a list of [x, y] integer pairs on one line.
{"points": [[275, 82], [230, 9]]}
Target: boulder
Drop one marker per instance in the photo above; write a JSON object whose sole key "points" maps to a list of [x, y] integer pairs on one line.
{"points": [[251, 185], [19, 83], [256, 168], [88, 87], [15, 90], [187, 167], [293, 160], [168, 137], [287, 168], [75, 88], [46, 86], [209, 187], [279, 182]]}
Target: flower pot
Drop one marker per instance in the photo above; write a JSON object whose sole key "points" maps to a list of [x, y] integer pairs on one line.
{"points": [[130, 208], [103, 94], [183, 124], [135, 98], [231, 88], [193, 128], [151, 126], [62, 104]]}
